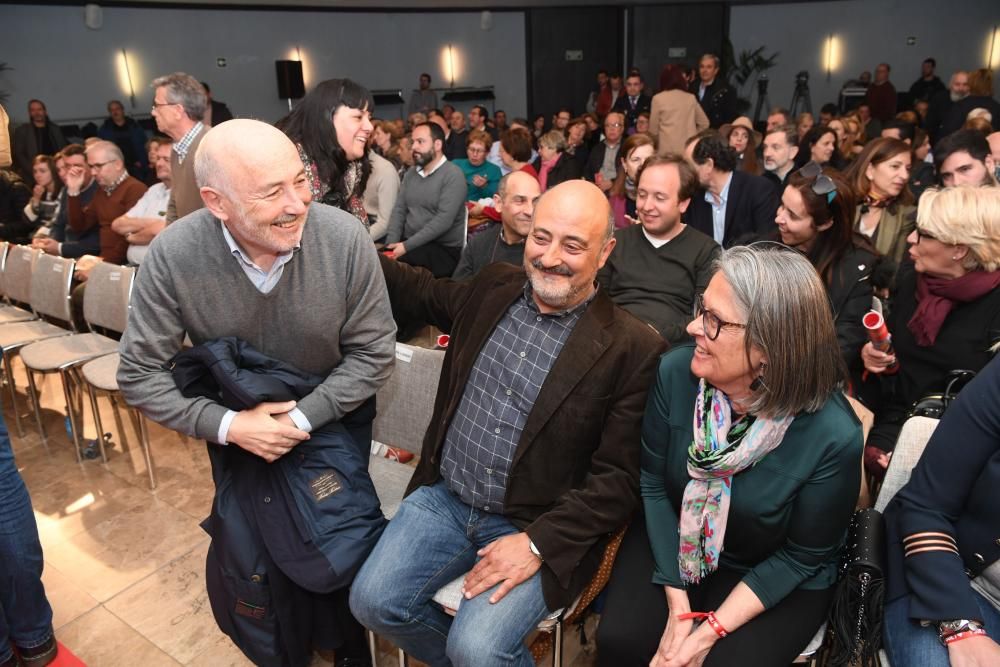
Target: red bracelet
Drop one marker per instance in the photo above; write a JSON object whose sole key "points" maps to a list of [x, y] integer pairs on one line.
{"points": [[959, 636], [708, 617]]}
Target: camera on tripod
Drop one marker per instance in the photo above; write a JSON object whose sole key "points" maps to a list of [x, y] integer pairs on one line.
{"points": [[762, 85], [802, 78]]}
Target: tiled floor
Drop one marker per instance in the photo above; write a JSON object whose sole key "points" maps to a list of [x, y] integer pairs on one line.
{"points": [[125, 566]]}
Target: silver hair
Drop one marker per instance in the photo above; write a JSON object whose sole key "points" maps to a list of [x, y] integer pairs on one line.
{"points": [[185, 90], [553, 139], [789, 321], [108, 149]]}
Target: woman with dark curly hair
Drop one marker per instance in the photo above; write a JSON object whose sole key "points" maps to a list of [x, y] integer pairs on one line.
{"points": [[331, 127]]}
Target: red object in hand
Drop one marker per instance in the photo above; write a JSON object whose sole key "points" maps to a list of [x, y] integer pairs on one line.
{"points": [[878, 334], [708, 617], [443, 340], [390, 254]]}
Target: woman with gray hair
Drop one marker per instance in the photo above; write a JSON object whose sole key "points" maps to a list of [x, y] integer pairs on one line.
{"points": [[945, 309], [553, 165], [749, 477]]}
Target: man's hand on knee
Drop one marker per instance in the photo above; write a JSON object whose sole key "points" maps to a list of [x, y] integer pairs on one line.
{"points": [[507, 561], [267, 436]]}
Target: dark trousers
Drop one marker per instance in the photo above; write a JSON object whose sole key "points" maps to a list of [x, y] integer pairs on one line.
{"points": [[635, 614], [438, 259]]}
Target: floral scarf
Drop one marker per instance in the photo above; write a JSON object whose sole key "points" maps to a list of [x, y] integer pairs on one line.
{"points": [[720, 450], [321, 192]]}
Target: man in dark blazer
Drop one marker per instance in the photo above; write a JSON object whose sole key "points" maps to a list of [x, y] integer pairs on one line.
{"points": [[733, 207], [717, 98], [633, 102], [604, 159], [531, 459]]}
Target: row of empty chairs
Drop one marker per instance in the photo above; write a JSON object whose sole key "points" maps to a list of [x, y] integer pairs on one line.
{"points": [[37, 323]]}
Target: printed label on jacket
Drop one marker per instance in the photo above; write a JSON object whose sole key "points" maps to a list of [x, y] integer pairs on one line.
{"points": [[250, 610], [325, 486]]}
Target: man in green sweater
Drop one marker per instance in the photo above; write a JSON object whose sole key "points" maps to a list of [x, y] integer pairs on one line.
{"points": [[659, 266], [299, 282]]}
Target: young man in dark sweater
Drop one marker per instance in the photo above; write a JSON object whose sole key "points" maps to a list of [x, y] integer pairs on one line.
{"points": [[658, 267]]}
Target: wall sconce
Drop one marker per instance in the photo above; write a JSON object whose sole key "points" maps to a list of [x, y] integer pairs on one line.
{"points": [[828, 58], [450, 63], [993, 60], [125, 81]]}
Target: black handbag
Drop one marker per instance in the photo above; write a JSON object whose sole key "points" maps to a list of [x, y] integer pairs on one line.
{"points": [[934, 405], [855, 621]]}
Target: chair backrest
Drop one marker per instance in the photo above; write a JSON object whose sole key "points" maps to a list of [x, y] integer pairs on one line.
{"points": [[51, 282], [910, 445], [406, 400], [18, 266], [106, 301]]}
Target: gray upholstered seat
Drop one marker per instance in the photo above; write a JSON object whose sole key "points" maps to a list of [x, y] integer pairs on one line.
{"points": [[102, 372], [54, 354], [19, 334], [390, 479]]}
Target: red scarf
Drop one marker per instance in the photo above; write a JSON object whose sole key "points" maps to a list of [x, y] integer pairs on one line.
{"points": [[937, 296]]}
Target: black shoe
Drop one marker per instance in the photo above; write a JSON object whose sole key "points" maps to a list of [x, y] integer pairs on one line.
{"points": [[39, 656], [12, 661]]}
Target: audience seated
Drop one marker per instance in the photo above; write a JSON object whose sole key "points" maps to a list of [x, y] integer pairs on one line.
{"points": [[179, 103], [945, 312], [535, 434], [820, 146], [732, 207], [39, 136], [964, 158], [642, 122], [494, 154], [941, 102], [553, 165], [125, 133], [456, 136], [515, 150], [478, 115], [635, 151], [62, 239], [778, 117], [380, 195], [481, 177], [879, 177], [43, 207], [773, 445], [334, 145], [660, 265], [900, 129], [602, 164], [804, 123], [922, 174], [675, 114], [427, 226], [147, 218], [816, 217], [385, 136], [743, 139], [15, 195], [780, 149], [980, 97], [941, 603], [576, 142], [514, 201]]}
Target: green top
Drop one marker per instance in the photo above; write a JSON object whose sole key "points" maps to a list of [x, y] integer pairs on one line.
{"points": [[788, 515]]}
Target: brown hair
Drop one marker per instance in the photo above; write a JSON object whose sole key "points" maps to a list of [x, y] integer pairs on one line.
{"points": [[517, 143], [50, 162], [482, 137], [981, 82], [875, 153], [629, 145], [686, 173]]}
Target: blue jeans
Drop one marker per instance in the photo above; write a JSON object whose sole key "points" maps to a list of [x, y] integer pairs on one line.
{"points": [[910, 644], [25, 614], [432, 540]]}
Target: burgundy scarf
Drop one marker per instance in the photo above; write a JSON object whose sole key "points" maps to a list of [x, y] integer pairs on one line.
{"points": [[937, 296]]}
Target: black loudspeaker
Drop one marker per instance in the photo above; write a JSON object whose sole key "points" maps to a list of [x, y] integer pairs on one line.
{"points": [[290, 83]]}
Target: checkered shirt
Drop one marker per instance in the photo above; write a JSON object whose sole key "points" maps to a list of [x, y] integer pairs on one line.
{"points": [[181, 147], [505, 380]]}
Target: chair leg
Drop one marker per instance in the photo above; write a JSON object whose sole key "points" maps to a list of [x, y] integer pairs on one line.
{"points": [[9, 369], [36, 399], [371, 647], [144, 443], [71, 413], [557, 645], [402, 658], [97, 421]]}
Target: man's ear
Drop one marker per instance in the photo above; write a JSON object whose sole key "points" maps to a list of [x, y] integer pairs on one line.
{"points": [[214, 202]]}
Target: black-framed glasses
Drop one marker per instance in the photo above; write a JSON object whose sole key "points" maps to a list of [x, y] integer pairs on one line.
{"points": [[921, 234], [711, 323], [162, 104], [822, 184], [98, 165]]}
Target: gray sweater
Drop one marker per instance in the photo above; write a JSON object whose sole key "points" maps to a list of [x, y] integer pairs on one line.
{"points": [[329, 315], [430, 209]]}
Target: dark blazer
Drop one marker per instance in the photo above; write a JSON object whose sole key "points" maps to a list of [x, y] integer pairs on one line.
{"points": [[850, 292], [643, 103], [719, 102], [566, 169], [750, 209], [574, 479], [952, 492], [220, 113], [596, 159]]}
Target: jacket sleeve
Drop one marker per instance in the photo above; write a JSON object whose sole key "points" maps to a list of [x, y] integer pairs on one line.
{"points": [[609, 493], [367, 341], [851, 334], [701, 121], [831, 492], [388, 191], [416, 295], [937, 495], [79, 218], [394, 232], [765, 206]]}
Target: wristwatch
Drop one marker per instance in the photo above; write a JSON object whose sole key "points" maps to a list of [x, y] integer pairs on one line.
{"points": [[949, 628], [534, 550]]}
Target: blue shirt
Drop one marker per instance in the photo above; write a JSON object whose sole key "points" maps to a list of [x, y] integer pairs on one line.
{"points": [[264, 281], [490, 171], [719, 210]]}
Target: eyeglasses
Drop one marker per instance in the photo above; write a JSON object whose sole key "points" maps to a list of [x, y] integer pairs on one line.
{"points": [[98, 165], [162, 104], [616, 125], [822, 184], [711, 324], [924, 235]]}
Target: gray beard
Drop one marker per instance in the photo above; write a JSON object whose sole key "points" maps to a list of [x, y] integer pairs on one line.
{"points": [[956, 97]]}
